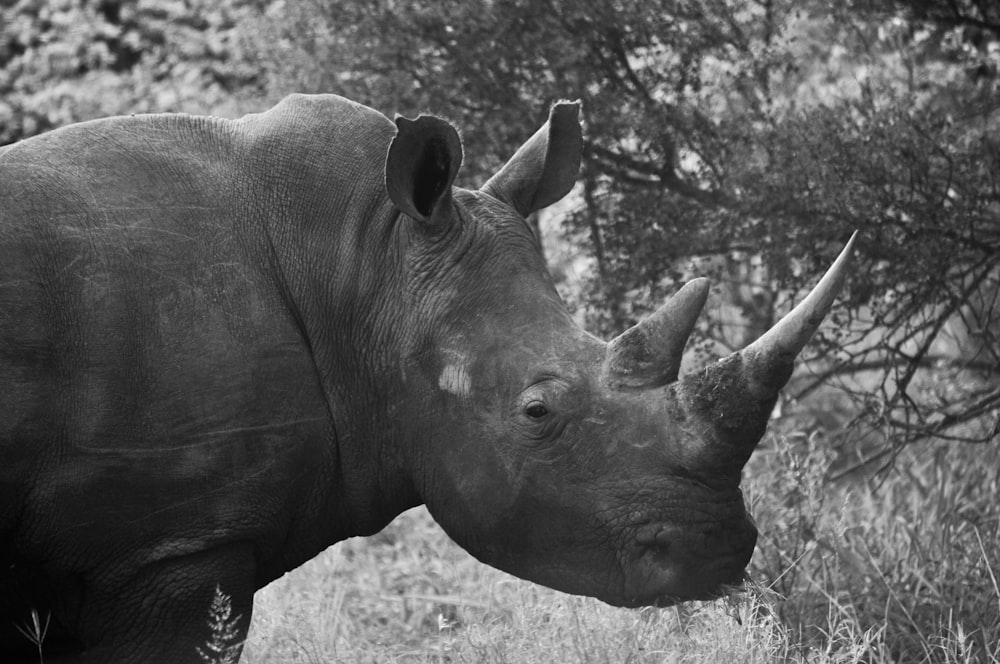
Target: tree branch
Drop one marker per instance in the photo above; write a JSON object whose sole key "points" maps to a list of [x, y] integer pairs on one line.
{"points": [[644, 173]]}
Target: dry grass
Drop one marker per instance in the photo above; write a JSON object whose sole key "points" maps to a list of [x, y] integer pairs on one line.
{"points": [[411, 595], [843, 573], [914, 555]]}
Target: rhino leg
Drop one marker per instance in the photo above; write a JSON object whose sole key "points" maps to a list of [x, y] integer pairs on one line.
{"points": [[163, 614]]}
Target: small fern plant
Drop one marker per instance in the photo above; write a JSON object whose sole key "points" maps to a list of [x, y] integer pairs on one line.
{"points": [[224, 646], [36, 630]]}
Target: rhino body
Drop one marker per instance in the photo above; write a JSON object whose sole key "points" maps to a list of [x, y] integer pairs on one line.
{"points": [[226, 345]]}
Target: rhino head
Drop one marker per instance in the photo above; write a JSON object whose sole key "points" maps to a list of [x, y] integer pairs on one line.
{"points": [[586, 466]]}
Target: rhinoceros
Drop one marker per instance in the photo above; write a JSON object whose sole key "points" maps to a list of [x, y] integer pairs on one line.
{"points": [[227, 344]]}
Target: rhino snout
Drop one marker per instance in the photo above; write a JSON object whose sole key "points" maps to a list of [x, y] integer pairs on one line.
{"points": [[675, 562]]}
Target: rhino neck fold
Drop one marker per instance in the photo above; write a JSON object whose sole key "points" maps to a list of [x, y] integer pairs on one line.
{"points": [[339, 280]]}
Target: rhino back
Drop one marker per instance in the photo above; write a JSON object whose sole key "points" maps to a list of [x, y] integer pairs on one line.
{"points": [[153, 363]]}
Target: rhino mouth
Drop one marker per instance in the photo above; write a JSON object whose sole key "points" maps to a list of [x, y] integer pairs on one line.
{"points": [[665, 567]]}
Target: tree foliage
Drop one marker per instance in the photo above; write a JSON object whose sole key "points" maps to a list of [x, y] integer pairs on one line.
{"points": [[744, 139], [63, 61]]}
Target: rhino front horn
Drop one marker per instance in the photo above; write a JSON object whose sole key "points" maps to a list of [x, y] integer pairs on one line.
{"points": [[768, 360], [732, 398], [649, 354]]}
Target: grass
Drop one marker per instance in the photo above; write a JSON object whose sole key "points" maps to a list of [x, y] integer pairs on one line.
{"points": [[913, 555], [900, 570], [411, 595]]}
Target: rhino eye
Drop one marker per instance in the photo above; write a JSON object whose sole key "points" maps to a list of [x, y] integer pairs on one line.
{"points": [[536, 410]]}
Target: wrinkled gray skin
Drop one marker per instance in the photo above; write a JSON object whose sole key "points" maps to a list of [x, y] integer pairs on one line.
{"points": [[226, 345]]}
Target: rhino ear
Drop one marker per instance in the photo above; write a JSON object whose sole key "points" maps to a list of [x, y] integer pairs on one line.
{"points": [[420, 167], [544, 169]]}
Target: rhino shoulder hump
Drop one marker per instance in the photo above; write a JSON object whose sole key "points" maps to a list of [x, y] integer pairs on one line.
{"points": [[309, 113]]}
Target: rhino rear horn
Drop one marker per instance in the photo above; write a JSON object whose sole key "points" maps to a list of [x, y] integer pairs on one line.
{"points": [[649, 354], [420, 167], [544, 169]]}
